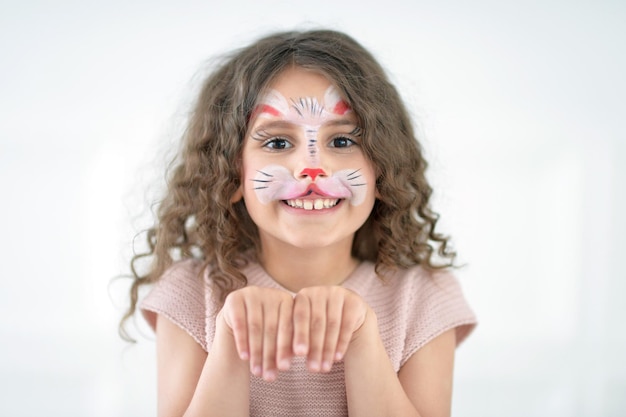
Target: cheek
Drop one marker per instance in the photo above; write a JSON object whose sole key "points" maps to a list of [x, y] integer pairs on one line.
{"points": [[247, 182], [372, 176], [267, 183], [359, 196]]}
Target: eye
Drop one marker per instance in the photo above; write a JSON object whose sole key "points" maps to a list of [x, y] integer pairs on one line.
{"points": [[341, 142], [277, 144]]}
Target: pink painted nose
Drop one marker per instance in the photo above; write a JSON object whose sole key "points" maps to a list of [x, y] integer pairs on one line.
{"points": [[312, 172]]}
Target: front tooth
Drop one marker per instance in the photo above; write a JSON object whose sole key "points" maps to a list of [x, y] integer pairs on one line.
{"points": [[318, 204]]}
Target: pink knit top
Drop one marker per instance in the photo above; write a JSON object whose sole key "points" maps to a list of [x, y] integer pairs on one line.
{"points": [[412, 307]]}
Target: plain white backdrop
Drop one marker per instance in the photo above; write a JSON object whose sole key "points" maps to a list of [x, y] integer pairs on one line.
{"points": [[521, 107]]}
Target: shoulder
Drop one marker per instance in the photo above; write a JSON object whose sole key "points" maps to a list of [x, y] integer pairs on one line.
{"points": [[179, 295], [429, 286], [435, 300], [182, 281], [409, 287], [414, 306]]}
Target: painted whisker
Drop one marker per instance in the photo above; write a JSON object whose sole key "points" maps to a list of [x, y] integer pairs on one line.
{"points": [[264, 173], [352, 173]]}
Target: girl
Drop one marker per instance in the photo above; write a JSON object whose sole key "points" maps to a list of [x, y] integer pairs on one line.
{"points": [[297, 267]]}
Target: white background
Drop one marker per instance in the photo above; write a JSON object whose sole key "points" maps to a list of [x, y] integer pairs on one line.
{"points": [[521, 106]]}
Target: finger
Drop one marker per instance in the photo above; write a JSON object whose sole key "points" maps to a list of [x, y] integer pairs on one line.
{"points": [[301, 318], [285, 335], [234, 313], [254, 318], [352, 319], [317, 333], [334, 315], [270, 326]]}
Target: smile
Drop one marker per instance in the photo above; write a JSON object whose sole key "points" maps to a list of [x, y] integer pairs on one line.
{"points": [[317, 204]]}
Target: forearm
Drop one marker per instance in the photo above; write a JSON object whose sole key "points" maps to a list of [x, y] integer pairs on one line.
{"points": [[372, 385], [224, 385]]}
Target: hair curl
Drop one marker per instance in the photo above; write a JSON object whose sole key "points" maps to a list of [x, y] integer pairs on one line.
{"points": [[196, 218]]}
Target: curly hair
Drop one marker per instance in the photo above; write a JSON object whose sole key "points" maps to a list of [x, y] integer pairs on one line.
{"points": [[196, 218]]}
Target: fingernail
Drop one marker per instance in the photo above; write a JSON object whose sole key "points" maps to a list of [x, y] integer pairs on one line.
{"points": [[284, 364], [244, 356], [300, 349], [338, 356], [257, 371], [326, 366], [269, 375], [314, 366]]}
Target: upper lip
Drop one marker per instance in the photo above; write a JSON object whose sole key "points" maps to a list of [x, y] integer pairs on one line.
{"points": [[314, 189]]}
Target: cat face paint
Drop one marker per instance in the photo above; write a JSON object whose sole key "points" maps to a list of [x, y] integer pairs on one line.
{"points": [[276, 182], [306, 112], [306, 181]]}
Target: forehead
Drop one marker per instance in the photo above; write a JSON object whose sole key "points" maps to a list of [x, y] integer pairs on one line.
{"points": [[300, 82], [302, 96]]}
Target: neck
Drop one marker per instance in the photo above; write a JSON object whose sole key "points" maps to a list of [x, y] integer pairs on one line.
{"points": [[297, 268]]}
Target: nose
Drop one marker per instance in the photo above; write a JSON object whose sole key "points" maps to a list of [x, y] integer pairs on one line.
{"points": [[312, 172]]}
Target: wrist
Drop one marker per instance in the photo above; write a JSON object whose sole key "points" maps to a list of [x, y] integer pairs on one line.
{"points": [[224, 344], [366, 335]]}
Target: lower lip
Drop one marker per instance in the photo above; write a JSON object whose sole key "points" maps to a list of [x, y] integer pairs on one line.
{"points": [[312, 212]]}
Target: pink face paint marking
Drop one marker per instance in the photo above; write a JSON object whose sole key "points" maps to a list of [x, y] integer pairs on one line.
{"points": [[341, 108], [312, 172], [335, 102], [265, 108], [277, 183]]}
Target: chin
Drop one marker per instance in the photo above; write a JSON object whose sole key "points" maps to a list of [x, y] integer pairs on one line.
{"points": [[302, 240]]}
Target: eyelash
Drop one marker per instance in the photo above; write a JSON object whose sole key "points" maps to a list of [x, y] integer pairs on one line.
{"points": [[270, 141], [274, 140], [350, 138], [350, 142]]}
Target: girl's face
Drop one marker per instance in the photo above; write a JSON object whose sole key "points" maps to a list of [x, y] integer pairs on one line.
{"points": [[306, 181]]}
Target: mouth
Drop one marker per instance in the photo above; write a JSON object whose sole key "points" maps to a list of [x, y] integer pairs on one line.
{"points": [[313, 204]]}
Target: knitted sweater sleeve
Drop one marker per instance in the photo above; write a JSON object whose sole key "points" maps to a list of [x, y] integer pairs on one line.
{"points": [[179, 295], [436, 304]]}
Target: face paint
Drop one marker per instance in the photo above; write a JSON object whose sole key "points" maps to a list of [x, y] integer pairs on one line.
{"points": [[305, 195], [277, 183], [305, 112]]}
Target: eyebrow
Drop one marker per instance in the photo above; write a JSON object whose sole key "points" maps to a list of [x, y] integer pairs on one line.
{"points": [[340, 122], [275, 124], [282, 124]]}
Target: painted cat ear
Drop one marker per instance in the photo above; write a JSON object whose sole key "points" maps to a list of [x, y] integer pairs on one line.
{"points": [[238, 195], [273, 103], [334, 102]]}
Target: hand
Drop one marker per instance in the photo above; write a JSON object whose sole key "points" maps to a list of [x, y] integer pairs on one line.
{"points": [[270, 326], [260, 320], [325, 320]]}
